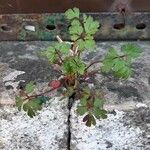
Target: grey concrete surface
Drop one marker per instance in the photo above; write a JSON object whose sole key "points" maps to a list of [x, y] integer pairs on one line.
{"points": [[126, 128]]}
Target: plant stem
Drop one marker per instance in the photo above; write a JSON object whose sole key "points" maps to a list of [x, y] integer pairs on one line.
{"points": [[59, 39], [122, 56], [99, 61], [93, 72], [57, 52], [92, 63], [37, 95]]}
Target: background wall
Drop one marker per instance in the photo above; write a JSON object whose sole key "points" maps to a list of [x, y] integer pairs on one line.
{"points": [[38, 6]]}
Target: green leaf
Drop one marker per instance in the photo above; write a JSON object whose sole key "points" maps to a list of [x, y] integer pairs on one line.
{"points": [[68, 92], [30, 112], [29, 88], [123, 73], [75, 30], [93, 120], [50, 54], [96, 113], [90, 26], [72, 13], [73, 65], [99, 113], [108, 61], [19, 102], [42, 99], [98, 103], [31, 107], [63, 47], [83, 101], [74, 37], [103, 113], [81, 44], [90, 44], [131, 50], [81, 110], [116, 65]]}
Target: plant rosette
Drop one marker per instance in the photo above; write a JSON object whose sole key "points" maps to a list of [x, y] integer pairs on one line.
{"points": [[66, 58]]}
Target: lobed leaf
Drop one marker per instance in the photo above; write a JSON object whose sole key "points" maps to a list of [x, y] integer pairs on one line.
{"points": [[29, 88], [131, 50], [89, 119], [90, 26], [63, 47], [75, 30], [73, 65], [116, 65], [108, 61], [86, 44], [98, 103], [31, 106], [50, 54], [81, 110], [72, 13], [19, 102], [99, 113]]}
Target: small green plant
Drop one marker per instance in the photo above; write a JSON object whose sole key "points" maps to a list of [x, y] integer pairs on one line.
{"points": [[67, 58]]}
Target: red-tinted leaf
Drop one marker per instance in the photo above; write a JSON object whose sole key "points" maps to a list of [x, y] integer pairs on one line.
{"points": [[86, 118], [55, 84]]}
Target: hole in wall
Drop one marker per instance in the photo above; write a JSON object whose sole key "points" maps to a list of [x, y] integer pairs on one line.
{"points": [[50, 27], [141, 26], [99, 27], [119, 26], [69, 26], [5, 28]]}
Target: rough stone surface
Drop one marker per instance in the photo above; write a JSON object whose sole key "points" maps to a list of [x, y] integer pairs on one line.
{"points": [[46, 131], [136, 88], [120, 131], [126, 128]]}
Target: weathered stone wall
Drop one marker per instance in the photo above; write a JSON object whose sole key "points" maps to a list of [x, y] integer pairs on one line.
{"points": [[126, 128]]}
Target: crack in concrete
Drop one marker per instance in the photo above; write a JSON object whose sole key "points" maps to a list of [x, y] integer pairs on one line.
{"points": [[70, 104]]}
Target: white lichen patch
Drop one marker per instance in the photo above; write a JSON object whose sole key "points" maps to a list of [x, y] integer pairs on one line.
{"points": [[9, 80], [12, 76], [28, 56], [141, 105], [110, 133], [46, 131], [13, 84]]}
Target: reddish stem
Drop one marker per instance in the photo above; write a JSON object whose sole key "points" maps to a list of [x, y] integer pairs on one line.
{"points": [[37, 95], [92, 63]]}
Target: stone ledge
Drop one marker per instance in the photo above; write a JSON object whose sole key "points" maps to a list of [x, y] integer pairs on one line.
{"points": [[126, 128]]}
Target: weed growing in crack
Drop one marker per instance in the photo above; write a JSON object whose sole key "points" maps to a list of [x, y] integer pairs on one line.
{"points": [[76, 74]]}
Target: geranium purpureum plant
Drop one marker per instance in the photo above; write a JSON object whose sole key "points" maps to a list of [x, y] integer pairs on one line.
{"points": [[75, 73]]}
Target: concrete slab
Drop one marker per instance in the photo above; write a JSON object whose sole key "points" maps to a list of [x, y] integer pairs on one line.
{"points": [[128, 102]]}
